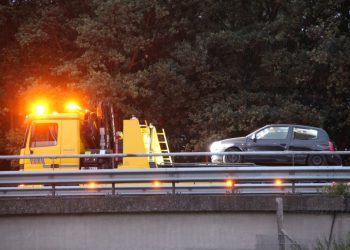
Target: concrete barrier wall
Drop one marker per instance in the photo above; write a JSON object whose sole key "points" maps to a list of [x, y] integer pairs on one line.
{"points": [[29, 224], [164, 231]]}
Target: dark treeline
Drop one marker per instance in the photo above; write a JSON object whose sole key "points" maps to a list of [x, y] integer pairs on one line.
{"points": [[202, 69]]}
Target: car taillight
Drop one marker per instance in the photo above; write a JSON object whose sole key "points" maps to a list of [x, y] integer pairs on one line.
{"points": [[331, 146]]}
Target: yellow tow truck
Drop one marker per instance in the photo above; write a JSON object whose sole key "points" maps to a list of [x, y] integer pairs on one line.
{"points": [[81, 131]]}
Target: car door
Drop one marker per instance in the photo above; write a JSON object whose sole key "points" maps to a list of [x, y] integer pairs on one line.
{"points": [[270, 138]]}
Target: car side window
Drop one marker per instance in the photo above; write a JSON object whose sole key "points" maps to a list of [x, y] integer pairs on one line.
{"points": [[279, 133], [304, 134]]}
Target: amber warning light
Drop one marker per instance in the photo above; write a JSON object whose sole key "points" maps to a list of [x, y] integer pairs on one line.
{"points": [[278, 182], [229, 183], [72, 106], [156, 184], [39, 108], [42, 107], [92, 185]]}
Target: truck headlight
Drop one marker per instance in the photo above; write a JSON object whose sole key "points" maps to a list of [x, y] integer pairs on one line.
{"points": [[215, 146]]}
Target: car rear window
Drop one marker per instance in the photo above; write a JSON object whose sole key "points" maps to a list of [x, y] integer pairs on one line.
{"points": [[304, 134]]}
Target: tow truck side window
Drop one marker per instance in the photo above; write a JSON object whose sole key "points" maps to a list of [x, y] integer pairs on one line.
{"points": [[43, 134]]}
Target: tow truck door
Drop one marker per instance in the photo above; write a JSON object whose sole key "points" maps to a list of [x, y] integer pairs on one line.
{"points": [[43, 139], [70, 143]]}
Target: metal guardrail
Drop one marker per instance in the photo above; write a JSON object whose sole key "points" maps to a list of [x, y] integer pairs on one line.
{"points": [[217, 174], [191, 178], [189, 154], [206, 180], [193, 189]]}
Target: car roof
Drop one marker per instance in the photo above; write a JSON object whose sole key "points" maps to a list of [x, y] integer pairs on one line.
{"points": [[292, 125]]}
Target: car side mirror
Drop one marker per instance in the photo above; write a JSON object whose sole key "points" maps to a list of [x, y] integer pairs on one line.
{"points": [[254, 138]]}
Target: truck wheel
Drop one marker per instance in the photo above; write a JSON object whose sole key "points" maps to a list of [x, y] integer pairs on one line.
{"points": [[232, 158], [316, 160]]}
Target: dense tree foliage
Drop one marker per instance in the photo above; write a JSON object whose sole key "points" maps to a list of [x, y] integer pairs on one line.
{"points": [[202, 69]]}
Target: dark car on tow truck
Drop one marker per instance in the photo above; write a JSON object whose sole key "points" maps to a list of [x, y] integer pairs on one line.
{"points": [[278, 137]]}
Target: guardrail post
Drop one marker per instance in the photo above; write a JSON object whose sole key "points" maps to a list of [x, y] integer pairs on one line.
{"points": [[173, 188], [113, 188], [53, 190], [279, 213]]}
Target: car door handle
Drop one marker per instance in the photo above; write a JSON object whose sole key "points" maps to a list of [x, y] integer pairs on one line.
{"points": [[284, 145]]}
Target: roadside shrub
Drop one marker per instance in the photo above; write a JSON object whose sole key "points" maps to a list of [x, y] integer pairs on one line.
{"points": [[334, 245], [338, 189]]}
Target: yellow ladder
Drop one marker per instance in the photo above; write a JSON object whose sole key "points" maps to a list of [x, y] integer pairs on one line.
{"points": [[164, 147]]}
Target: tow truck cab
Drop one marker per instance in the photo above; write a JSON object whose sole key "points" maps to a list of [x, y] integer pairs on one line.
{"points": [[52, 134]]}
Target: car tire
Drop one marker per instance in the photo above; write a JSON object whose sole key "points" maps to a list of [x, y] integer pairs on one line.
{"points": [[337, 160], [316, 160], [232, 158]]}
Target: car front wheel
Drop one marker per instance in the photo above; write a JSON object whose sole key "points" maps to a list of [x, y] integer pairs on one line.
{"points": [[316, 160], [232, 158]]}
